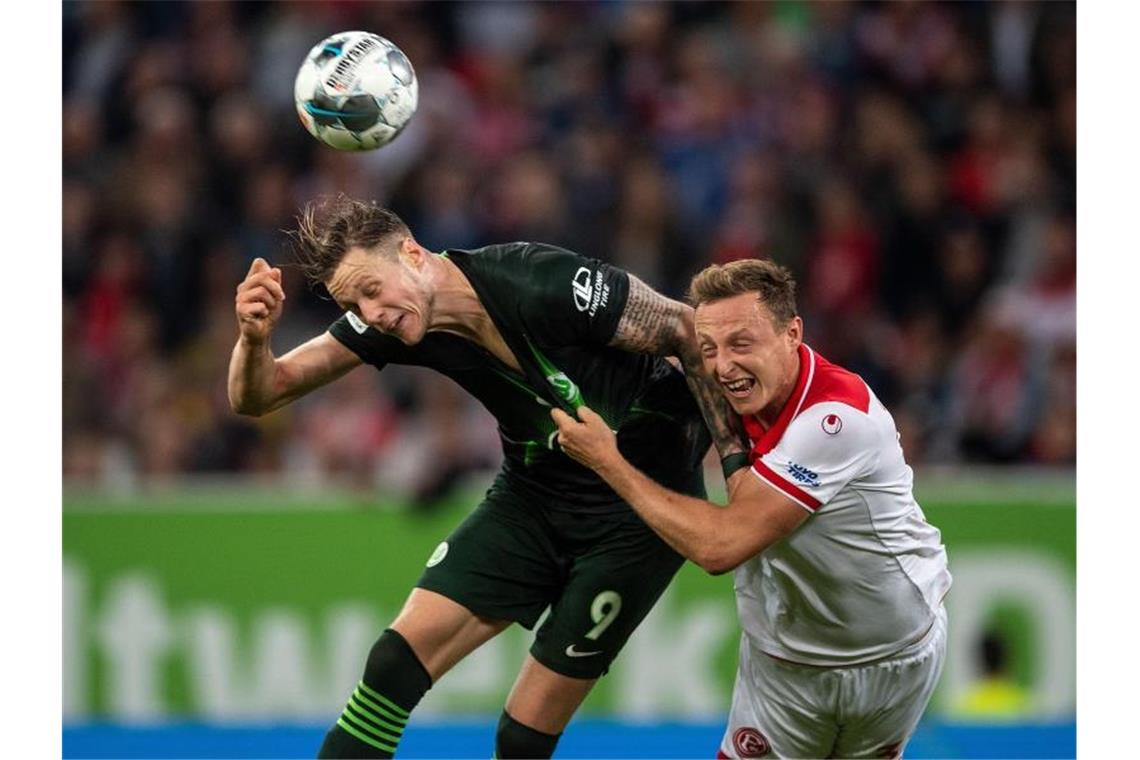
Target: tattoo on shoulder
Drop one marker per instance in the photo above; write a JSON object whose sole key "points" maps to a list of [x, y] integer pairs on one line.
{"points": [[649, 323]]}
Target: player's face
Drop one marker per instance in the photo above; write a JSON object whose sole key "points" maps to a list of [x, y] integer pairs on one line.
{"points": [[389, 294], [755, 360]]}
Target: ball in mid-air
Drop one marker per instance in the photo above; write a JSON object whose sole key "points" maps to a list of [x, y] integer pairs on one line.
{"points": [[355, 91]]}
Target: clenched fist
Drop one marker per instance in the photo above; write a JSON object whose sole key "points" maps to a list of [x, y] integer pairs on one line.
{"points": [[259, 301], [588, 440]]}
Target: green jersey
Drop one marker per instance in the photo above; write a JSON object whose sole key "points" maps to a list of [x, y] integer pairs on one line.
{"points": [[557, 311]]}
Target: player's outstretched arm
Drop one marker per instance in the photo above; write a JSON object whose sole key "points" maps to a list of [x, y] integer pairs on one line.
{"points": [[259, 382], [716, 538], [655, 324]]}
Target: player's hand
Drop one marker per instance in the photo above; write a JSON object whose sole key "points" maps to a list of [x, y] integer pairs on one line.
{"points": [[588, 439], [259, 301]]}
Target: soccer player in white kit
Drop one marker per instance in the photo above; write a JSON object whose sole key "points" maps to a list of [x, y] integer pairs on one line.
{"points": [[839, 578]]}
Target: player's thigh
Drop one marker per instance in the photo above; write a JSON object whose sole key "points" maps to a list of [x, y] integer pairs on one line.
{"points": [[886, 700], [442, 632], [609, 590], [779, 709], [544, 700], [499, 563]]}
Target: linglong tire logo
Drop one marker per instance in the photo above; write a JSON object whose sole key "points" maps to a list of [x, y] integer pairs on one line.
{"points": [[748, 742], [582, 288]]}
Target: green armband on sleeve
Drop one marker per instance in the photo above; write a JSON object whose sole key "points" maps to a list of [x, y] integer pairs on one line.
{"points": [[731, 463]]}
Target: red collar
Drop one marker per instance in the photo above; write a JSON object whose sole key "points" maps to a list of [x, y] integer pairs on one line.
{"points": [[765, 440]]}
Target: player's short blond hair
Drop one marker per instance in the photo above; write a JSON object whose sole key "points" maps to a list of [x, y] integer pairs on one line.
{"points": [[328, 227], [772, 283]]}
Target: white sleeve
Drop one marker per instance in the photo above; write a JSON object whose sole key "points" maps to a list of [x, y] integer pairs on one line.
{"points": [[824, 448]]}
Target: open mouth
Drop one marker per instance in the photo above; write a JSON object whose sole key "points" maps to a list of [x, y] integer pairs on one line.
{"points": [[739, 388]]}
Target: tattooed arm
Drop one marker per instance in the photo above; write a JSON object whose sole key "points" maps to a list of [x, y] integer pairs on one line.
{"points": [[654, 324]]}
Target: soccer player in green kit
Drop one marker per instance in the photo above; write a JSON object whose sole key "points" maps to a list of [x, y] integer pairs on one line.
{"points": [[523, 327]]}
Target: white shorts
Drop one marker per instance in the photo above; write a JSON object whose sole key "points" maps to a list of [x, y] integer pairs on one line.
{"points": [[785, 710]]}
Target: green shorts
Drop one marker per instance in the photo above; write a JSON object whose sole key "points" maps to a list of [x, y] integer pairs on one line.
{"points": [[599, 574]]}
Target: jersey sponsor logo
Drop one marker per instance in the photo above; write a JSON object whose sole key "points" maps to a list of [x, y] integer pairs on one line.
{"points": [[748, 742], [438, 555], [590, 290], [572, 652], [582, 288], [831, 424], [803, 474], [601, 295], [356, 322]]}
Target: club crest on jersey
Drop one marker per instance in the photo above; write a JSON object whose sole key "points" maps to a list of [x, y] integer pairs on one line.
{"points": [[748, 742], [582, 288], [438, 555], [566, 388], [803, 474], [831, 424]]}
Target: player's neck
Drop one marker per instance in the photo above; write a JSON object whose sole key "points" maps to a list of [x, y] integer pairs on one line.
{"points": [[456, 307]]}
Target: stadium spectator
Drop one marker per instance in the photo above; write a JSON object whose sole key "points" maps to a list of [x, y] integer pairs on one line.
{"points": [[995, 695]]}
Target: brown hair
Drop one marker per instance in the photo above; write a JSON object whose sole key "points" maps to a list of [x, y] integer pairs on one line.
{"points": [[773, 283], [327, 228]]}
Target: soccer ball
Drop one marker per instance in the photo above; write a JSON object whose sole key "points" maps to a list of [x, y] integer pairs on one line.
{"points": [[355, 91]]}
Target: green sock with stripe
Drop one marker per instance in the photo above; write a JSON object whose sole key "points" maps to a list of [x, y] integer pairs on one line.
{"points": [[374, 720], [377, 712]]}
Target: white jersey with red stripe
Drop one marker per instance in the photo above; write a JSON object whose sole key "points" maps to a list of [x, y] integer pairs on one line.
{"points": [[865, 575]]}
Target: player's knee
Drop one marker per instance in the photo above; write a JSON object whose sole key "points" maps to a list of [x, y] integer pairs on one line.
{"points": [[373, 721], [514, 740], [392, 665]]}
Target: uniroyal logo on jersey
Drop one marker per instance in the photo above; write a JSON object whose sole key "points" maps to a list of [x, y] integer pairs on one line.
{"points": [[582, 288], [831, 424], [748, 742], [803, 474]]}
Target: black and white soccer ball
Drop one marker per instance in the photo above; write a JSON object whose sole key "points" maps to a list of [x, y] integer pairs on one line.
{"points": [[355, 91]]}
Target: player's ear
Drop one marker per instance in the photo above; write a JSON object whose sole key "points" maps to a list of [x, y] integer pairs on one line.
{"points": [[411, 252], [794, 332]]}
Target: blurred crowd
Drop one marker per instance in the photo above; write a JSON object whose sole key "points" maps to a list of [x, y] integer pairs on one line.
{"points": [[913, 163]]}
